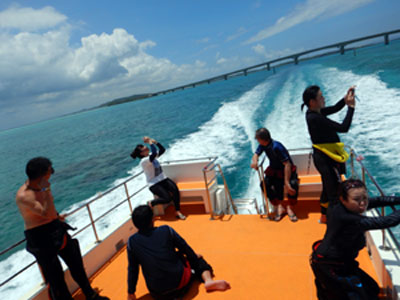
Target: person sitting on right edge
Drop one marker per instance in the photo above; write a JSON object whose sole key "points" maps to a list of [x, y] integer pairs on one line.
{"points": [[167, 272], [333, 260]]}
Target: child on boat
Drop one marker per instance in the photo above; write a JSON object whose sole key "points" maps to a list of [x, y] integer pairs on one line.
{"points": [[325, 140], [158, 183], [280, 172], [168, 263], [333, 261]]}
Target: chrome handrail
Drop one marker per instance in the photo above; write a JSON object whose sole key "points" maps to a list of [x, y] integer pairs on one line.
{"points": [[208, 168], [93, 221], [365, 171], [264, 196]]}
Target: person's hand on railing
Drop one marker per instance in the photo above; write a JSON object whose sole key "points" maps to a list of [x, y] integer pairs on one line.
{"points": [[254, 166]]}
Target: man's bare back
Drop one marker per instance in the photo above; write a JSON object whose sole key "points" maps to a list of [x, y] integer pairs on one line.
{"points": [[36, 206]]}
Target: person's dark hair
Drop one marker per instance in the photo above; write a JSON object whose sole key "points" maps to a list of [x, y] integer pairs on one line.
{"points": [[263, 134], [142, 217], [349, 184], [310, 93], [136, 152], [38, 167]]}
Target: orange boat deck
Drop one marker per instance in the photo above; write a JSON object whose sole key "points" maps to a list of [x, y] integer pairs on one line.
{"points": [[261, 259]]}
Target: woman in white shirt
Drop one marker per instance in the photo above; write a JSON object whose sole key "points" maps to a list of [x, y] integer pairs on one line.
{"points": [[158, 183]]}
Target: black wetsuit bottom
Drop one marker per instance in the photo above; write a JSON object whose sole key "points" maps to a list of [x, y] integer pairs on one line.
{"points": [[345, 281], [46, 243], [274, 184], [330, 174], [167, 191], [198, 266]]}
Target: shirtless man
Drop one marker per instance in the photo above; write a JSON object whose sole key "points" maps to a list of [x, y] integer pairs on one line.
{"points": [[46, 233]]}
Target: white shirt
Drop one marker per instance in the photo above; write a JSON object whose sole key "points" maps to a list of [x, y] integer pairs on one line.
{"points": [[152, 170]]}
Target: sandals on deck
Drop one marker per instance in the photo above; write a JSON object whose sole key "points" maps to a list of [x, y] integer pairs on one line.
{"points": [[279, 217], [293, 217]]}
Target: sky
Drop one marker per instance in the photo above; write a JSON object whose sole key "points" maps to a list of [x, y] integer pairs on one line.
{"points": [[57, 57]]}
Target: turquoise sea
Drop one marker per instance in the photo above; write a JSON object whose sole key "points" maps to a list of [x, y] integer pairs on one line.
{"points": [[90, 150]]}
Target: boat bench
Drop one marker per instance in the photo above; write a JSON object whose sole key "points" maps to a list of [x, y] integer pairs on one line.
{"points": [[192, 192]]}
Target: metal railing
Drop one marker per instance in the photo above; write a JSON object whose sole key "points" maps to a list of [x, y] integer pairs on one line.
{"points": [[365, 173], [211, 166], [93, 220], [264, 197]]}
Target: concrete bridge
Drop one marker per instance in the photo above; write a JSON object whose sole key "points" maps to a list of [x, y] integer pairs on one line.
{"points": [[341, 48]]}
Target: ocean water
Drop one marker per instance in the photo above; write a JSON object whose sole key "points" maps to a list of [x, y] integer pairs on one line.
{"points": [[90, 150]]}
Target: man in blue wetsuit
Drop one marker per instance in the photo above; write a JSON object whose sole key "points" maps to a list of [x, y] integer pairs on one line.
{"points": [[280, 173]]}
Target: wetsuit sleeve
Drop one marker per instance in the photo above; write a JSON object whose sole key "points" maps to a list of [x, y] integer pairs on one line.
{"points": [[281, 153], [333, 109], [383, 201], [133, 271], [338, 127], [258, 150], [161, 149], [370, 223], [181, 244], [154, 153]]}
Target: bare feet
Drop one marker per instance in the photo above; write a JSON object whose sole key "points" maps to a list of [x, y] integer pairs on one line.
{"points": [[180, 215], [216, 285]]}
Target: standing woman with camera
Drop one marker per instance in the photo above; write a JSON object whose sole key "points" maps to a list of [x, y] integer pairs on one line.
{"points": [[159, 184], [328, 152]]}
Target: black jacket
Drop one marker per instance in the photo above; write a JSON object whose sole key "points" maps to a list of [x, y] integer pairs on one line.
{"points": [[155, 250], [323, 130], [345, 233]]}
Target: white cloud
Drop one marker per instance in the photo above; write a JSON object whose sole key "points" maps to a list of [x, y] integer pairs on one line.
{"points": [[308, 11], [237, 34], [221, 60], [204, 40], [29, 19], [42, 74], [269, 55]]}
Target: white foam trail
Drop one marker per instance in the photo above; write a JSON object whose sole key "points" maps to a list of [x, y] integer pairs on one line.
{"points": [[222, 136], [285, 122], [375, 127], [231, 127]]}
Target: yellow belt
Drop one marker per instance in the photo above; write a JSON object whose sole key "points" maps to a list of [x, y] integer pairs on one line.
{"points": [[334, 150]]}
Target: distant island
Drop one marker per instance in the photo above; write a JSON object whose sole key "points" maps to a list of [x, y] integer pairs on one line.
{"points": [[125, 100]]}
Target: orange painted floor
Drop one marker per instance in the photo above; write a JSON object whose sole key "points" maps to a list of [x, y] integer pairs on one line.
{"points": [[261, 259]]}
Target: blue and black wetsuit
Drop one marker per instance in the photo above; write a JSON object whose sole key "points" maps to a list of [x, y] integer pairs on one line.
{"points": [[275, 173], [337, 275], [323, 130]]}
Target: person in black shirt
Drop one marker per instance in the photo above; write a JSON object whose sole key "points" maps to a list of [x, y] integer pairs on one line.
{"points": [[280, 172], [337, 275], [167, 272], [323, 131]]}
